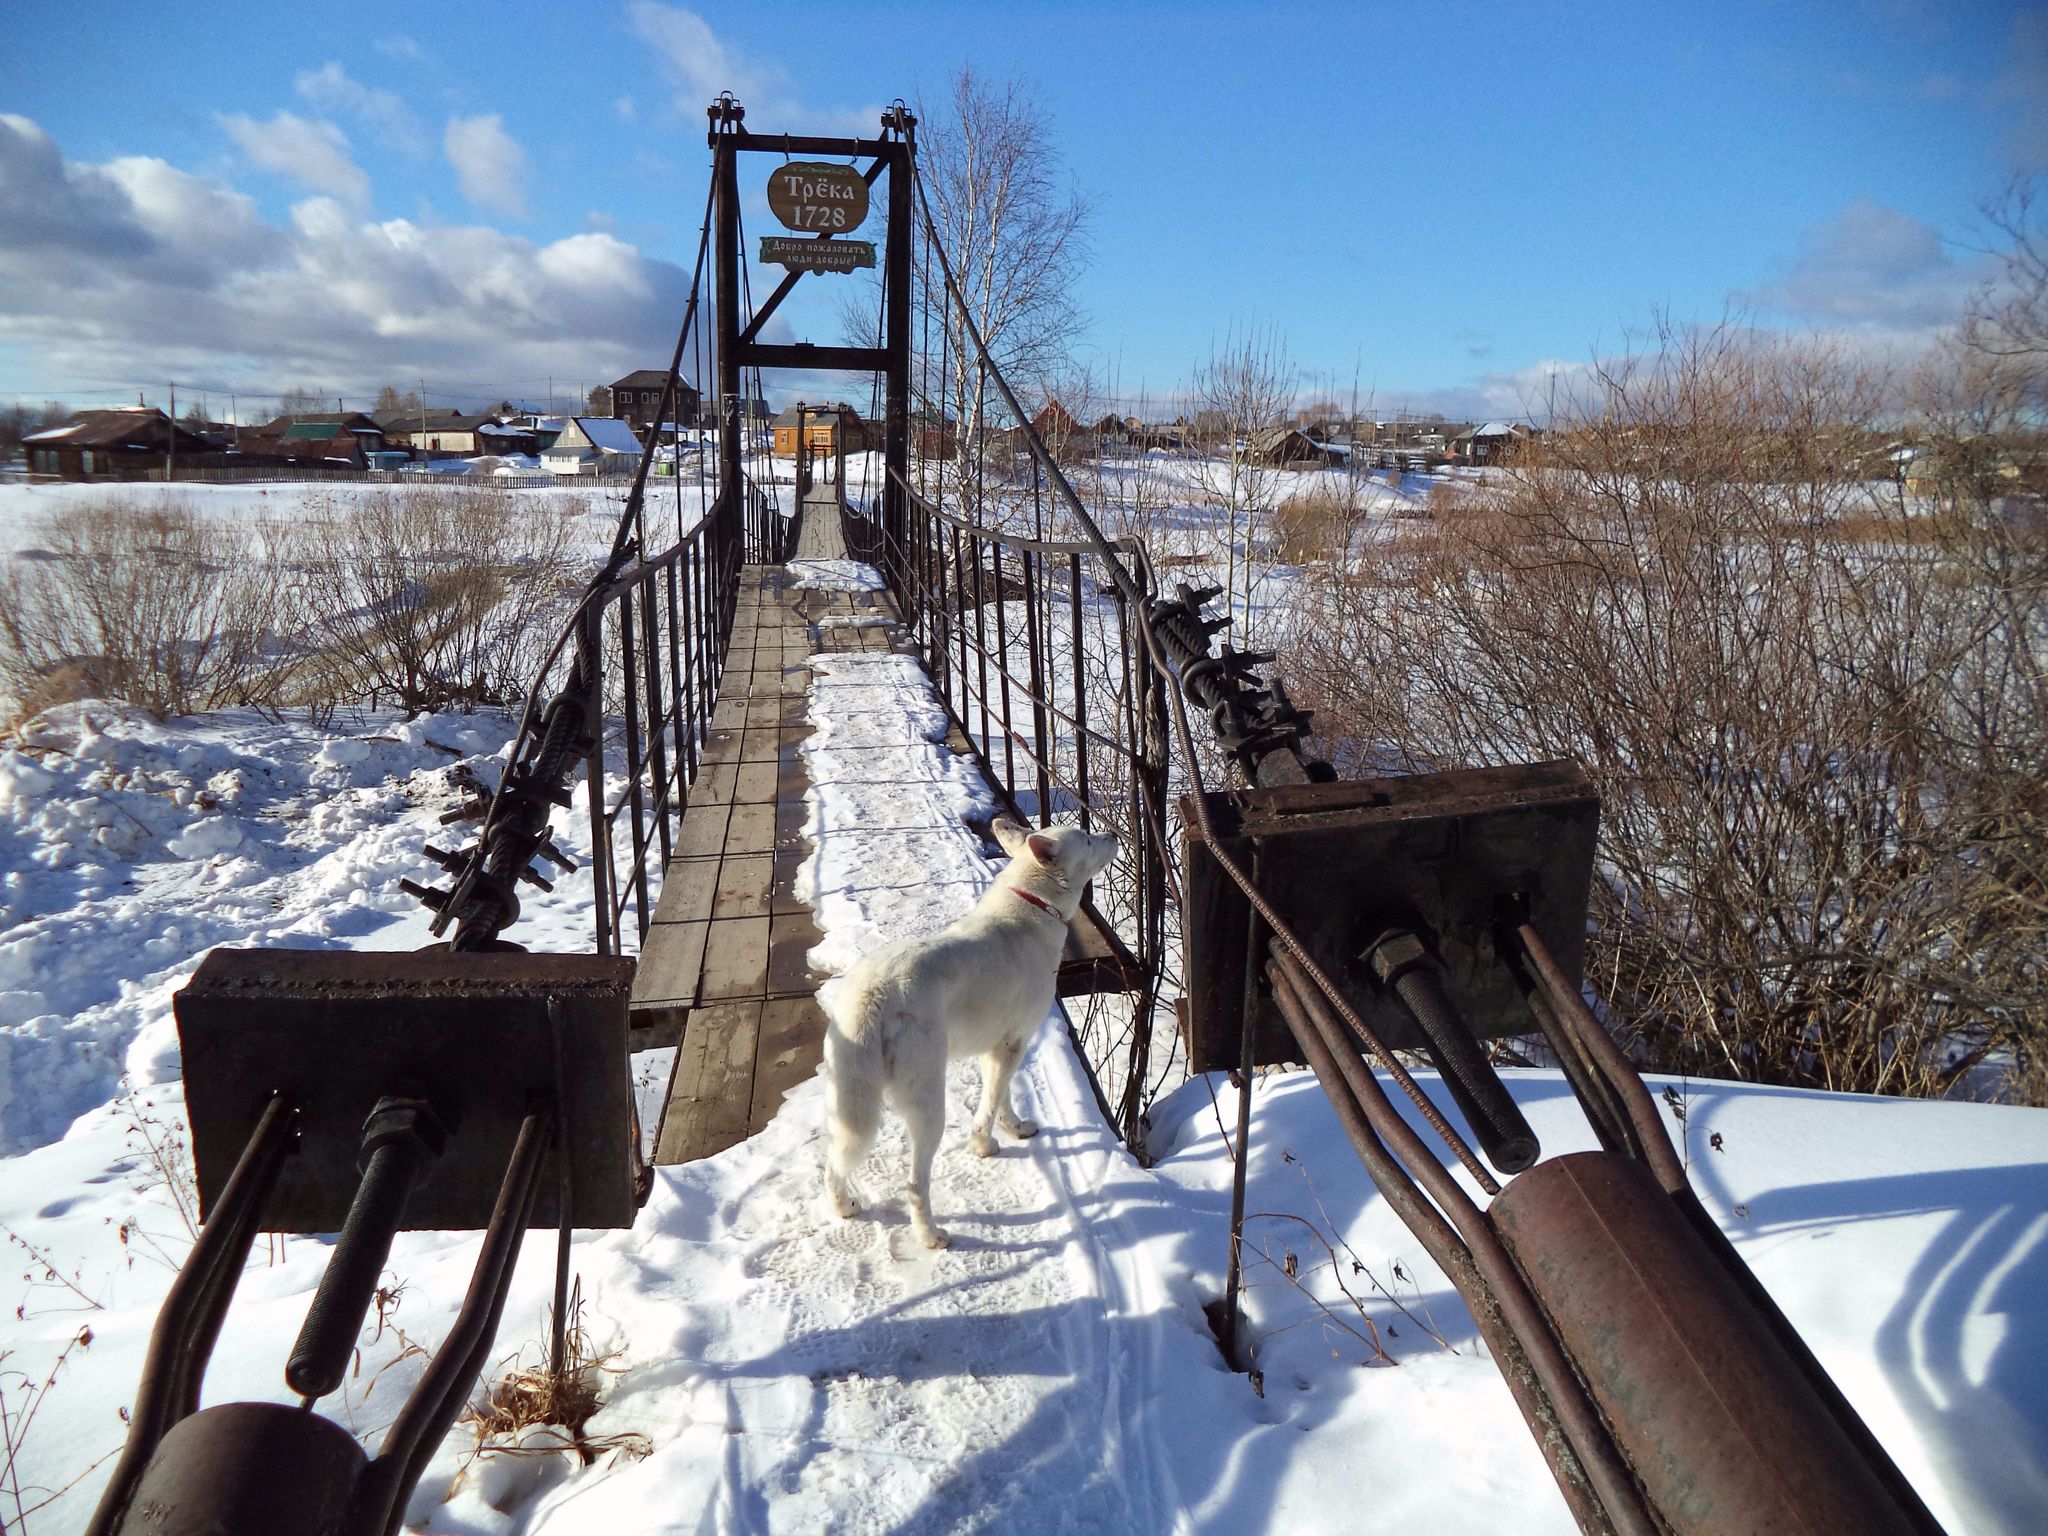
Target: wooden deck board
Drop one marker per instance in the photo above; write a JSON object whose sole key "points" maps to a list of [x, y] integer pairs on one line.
{"points": [[724, 973]]}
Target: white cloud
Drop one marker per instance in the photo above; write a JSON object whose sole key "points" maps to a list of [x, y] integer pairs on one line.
{"points": [[693, 56], [1871, 268], [625, 108], [488, 162], [701, 66], [136, 269], [314, 154], [399, 45], [331, 87]]}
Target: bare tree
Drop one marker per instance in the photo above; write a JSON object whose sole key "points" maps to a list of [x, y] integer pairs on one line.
{"points": [[2011, 318], [434, 599], [1015, 231], [148, 603], [301, 401], [395, 406], [1242, 388]]}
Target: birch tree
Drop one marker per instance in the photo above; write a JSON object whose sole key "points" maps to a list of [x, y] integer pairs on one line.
{"points": [[1015, 230], [1243, 387]]}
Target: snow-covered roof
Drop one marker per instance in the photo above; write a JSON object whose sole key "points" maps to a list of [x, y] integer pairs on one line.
{"points": [[609, 433], [51, 434]]}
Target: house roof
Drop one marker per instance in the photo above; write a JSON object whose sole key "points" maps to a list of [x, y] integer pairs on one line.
{"points": [[456, 423], [125, 427], [647, 378], [603, 433], [338, 420], [609, 432], [786, 417]]}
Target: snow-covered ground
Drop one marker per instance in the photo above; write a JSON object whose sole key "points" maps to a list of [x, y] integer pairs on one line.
{"points": [[774, 1369]]}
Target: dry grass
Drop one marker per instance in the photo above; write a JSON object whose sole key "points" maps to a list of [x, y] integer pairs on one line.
{"points": [[530, 1397]]}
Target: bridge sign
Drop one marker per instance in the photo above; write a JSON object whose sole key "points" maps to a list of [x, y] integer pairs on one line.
{"points": [[817, 255], [814, 197]]}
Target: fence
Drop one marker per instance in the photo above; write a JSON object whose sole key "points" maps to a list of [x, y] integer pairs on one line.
{"points": [[286, 475]]}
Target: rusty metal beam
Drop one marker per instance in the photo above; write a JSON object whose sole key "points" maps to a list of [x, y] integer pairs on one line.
{"points": [[1726, 1433]]}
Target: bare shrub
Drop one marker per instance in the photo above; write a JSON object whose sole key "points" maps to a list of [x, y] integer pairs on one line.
{"points": [[1316, 525], [435, 598], [151, 604], [1816, 714]]}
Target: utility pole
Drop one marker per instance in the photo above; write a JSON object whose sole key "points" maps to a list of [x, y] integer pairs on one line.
{"points": [[171, 440]]}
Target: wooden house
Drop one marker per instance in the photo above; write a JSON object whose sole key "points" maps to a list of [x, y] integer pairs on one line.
{"points": [[1286, 448], [335, 438], [129, 443], [1488, 442], [828, 429], [636, 399], [592, 445], [933, 436]]}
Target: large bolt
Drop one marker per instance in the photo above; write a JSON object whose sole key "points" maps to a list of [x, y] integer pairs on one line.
{"points": [[1401, 962]]}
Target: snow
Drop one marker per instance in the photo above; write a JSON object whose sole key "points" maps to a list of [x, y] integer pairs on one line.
{"points": [[835, 576], [786, 1371]]}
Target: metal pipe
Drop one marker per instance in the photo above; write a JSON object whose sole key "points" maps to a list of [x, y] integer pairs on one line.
{"points": [[1728, 1436], [1452, 1257], [1247, 1055], [1607, 1057], [1401, 961], [1596, 1098], [178, 1351], [1620, 1074], [1576, 1416]]}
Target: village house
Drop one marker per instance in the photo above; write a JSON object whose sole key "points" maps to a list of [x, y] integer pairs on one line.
{"points": [[1287, 448], [1488, 442], [341, 439], [127, 443], [933, 436], [636, 400], [1064, 438], [592, 445], [828, 429]]}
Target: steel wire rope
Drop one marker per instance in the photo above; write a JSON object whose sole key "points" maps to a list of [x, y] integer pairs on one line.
{"points": [[550, 760], [1259, 903]]}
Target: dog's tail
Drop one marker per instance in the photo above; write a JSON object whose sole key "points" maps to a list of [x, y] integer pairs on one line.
{"points": [[853, 1084]]}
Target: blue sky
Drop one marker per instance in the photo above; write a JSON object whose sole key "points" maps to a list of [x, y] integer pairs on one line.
{"points": [[1438, 203]]}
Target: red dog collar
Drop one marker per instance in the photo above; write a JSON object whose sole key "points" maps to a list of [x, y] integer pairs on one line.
{"points": [[1037, 901]]}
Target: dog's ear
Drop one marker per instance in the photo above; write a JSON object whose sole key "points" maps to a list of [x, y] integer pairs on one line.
{"points": [[1043, 849], [1008, 834]]}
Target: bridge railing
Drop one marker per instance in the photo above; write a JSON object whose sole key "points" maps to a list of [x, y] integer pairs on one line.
{"points": [[1035, 654]]}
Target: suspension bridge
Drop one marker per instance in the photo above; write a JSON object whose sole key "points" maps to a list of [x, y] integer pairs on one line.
{"points": [[1264, 909]]}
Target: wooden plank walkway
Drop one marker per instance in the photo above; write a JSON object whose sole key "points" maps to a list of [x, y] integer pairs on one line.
{"points": [[723, 972]]}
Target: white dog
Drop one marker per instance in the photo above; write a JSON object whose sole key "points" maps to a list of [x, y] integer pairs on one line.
{"points": [[982, 987]]}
